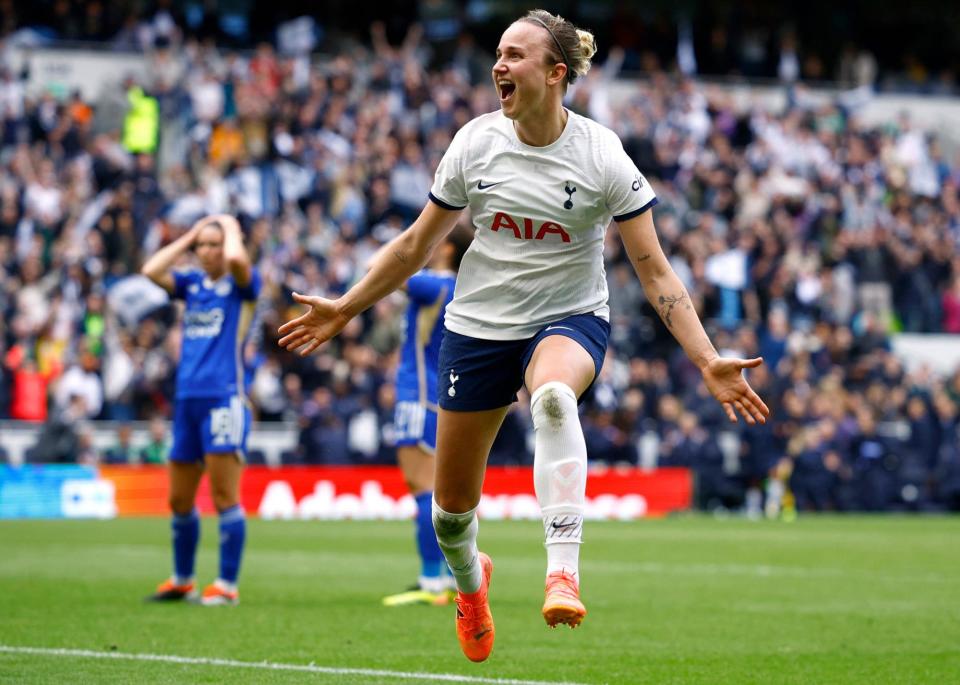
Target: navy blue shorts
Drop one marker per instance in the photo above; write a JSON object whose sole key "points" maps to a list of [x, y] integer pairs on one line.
{"points": [[477, 374]]}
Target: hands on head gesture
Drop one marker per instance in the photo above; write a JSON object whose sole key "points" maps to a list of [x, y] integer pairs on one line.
{"points": [[226, 221], [724, 379], [314, 327]]}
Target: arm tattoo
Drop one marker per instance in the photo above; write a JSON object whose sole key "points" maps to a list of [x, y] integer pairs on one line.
{"points": [[668, 303], [402, 258]]}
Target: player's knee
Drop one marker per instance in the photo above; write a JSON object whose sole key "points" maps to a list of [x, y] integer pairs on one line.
{"points": [[223, 495], [414, 485], [452, 503], [180, 504], [449, 525], [419, 483], [552, 405], [223, 499]]}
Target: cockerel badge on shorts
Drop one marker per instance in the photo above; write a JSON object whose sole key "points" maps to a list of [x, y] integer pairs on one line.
{"points": [[453, 379]]}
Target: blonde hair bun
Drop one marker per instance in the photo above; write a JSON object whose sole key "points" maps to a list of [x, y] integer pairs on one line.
{"points": [[574, 47], [588, 46]]}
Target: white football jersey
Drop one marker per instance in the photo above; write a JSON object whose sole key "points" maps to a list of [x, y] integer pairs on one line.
{"points": [[539, 217]]}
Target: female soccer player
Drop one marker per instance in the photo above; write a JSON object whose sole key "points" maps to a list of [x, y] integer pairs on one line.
{"points": [[211, 415], [530, 306]]}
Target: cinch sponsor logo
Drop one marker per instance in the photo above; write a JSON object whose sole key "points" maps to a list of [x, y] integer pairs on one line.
{"points": [[203, 323], [279, 502], [503, 220]]}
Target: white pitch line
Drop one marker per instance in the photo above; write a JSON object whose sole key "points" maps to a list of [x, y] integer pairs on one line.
{"points": [[266, 665]]}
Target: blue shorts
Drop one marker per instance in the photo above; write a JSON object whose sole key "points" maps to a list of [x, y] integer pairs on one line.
{"points": [[415, 425], [477, 374], [210, 425]]}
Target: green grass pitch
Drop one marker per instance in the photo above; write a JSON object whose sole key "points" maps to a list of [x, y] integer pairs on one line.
{"points": [[681, 600]]}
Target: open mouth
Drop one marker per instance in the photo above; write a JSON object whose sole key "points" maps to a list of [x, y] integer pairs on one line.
{"points": [[506, 90]]}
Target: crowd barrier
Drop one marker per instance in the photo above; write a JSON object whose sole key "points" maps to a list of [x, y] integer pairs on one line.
{"points": [[330, 493]]}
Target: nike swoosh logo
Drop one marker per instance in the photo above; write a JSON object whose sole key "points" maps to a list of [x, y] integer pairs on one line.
{"points": [[563, 525], [553, 328], [480, 185], [479, 636]]}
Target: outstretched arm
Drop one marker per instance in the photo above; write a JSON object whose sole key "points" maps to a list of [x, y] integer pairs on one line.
{"points": [[722, 376], [403, 256], [375, 257]]}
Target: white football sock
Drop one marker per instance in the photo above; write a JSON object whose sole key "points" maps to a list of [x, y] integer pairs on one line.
{"points": [[225, 585], [433, 584], [457, 535], [559, 473]]}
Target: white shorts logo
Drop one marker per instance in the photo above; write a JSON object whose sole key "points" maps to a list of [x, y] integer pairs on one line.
{"points": [[221, 425], [453, 379], [409, 418], [226, 423]]}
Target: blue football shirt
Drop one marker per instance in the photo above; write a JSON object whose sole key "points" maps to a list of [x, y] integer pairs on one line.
{"points": [[215, 323], [430, 292]]}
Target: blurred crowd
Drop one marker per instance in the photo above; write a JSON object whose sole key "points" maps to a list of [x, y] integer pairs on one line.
{"points": [[916, 52], [802, 235]]}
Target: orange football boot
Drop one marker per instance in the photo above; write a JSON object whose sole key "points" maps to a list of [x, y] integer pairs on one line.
{"points": [[474, 620], [169, 591], [562, 603], [216, 595]]}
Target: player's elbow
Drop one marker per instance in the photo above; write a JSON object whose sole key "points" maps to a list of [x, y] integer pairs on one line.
{"points": [[421, 244], [656, 272]]}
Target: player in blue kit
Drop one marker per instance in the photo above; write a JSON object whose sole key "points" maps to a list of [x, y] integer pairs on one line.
{"points": [[211, 413], [415, 414]]}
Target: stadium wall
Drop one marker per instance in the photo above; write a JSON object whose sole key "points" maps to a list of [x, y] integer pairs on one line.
{"points": [[92, 72], [939, 353]]}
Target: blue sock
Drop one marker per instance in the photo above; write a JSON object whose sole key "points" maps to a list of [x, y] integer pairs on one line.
{"points": [[432, 562], [186, 535], [233, 532]]}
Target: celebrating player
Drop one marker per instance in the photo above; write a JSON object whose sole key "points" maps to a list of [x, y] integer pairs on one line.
{"points": [[415, 415], [211, 414], [530, 306]]}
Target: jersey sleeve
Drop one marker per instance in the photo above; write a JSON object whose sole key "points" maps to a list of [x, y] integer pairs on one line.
{"points": [[181, 281], [252, 290], [628, 193], [449, 188], [425, 287]]}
